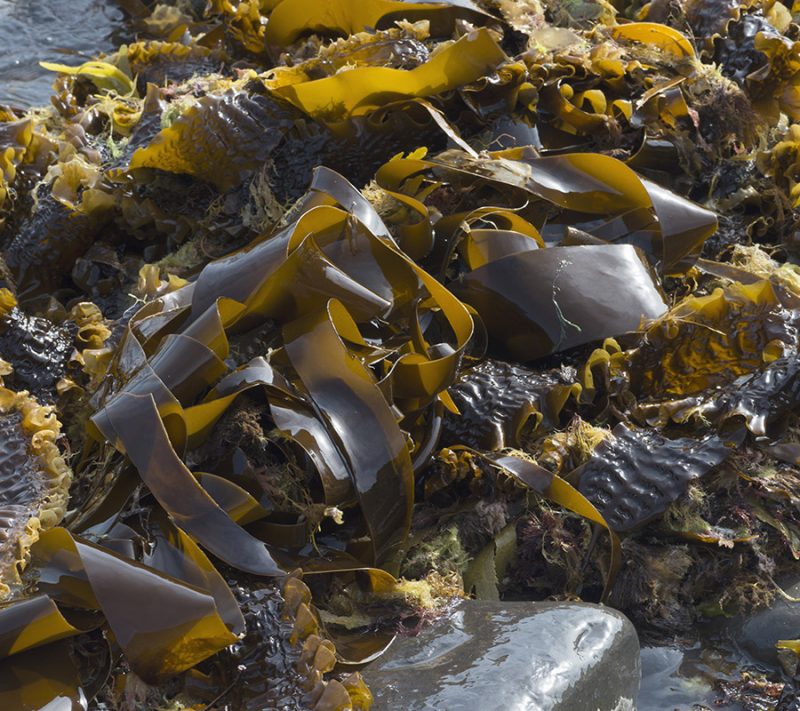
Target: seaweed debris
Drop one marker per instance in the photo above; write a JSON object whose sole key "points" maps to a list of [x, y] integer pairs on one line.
{"points": [[347, 313]]}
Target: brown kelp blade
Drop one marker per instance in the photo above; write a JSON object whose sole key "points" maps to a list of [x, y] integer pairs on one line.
{"points": [[352, 405], [543, 301], [139, 431], [362, 90], [633, 476], [585, 185], [181, 627], [298, 358]]}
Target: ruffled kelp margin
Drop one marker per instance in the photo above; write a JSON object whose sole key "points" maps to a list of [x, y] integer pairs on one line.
{"points": [[348, 313]]}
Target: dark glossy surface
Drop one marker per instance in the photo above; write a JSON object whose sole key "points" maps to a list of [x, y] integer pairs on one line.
{"points": [[262, 665], [634, 475], [38, 350], [44, 248], [22, 484], [765, 398], [497, 400], [757, 634], [547, 300]]}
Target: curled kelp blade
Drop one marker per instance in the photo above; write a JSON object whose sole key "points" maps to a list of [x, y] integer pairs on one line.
{"points": [[372, 277], [664, 37], [33, 622], [103, 75], [498, 401], [181, 626], [597, 192], [139, 431], [539, 302], [634, 475], [35, 680], [174, 553], [351, 403], [288, 22], [328, 261], [360, 91]]}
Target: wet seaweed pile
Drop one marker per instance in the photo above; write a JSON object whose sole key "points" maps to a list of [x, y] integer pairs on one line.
{"points": [[315, 316]]}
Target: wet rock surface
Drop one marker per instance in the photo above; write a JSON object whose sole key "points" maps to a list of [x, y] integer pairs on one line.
{"points": [[757, 635], [38, 351], [548, 656]]}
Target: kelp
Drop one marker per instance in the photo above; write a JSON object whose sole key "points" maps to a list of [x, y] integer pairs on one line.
{"points": [[196, 143], [37, 352], [617, 205], [69, 210], [399, 47], [520, 285], [288, 23], [221, 139], [781, 162], [383, 288], [661, 36], [105, 76], [15, 137], [501, 403], [284, 657], [632, 476], [714, 339], [273, 280], [161, 62], [303, 280], [360, 91]]}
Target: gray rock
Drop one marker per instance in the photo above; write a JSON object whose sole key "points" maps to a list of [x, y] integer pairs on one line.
{"points": [[757, 635], [525, 656]]}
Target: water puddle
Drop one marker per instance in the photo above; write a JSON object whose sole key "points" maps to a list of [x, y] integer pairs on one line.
{"points": [[709, 675]]}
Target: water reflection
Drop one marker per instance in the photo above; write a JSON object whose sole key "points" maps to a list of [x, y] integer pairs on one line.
{"points": [[54, 30]]}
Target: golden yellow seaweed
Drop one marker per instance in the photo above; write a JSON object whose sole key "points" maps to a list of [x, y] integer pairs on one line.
{"points": [[289, 21], [361, 90], [103, 75]]}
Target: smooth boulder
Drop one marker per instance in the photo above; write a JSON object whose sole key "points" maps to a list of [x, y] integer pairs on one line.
{"points": [[532, 656]]}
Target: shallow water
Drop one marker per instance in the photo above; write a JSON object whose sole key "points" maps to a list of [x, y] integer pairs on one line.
{"points": [[668, 685], [693, 677], [67, 31]]}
